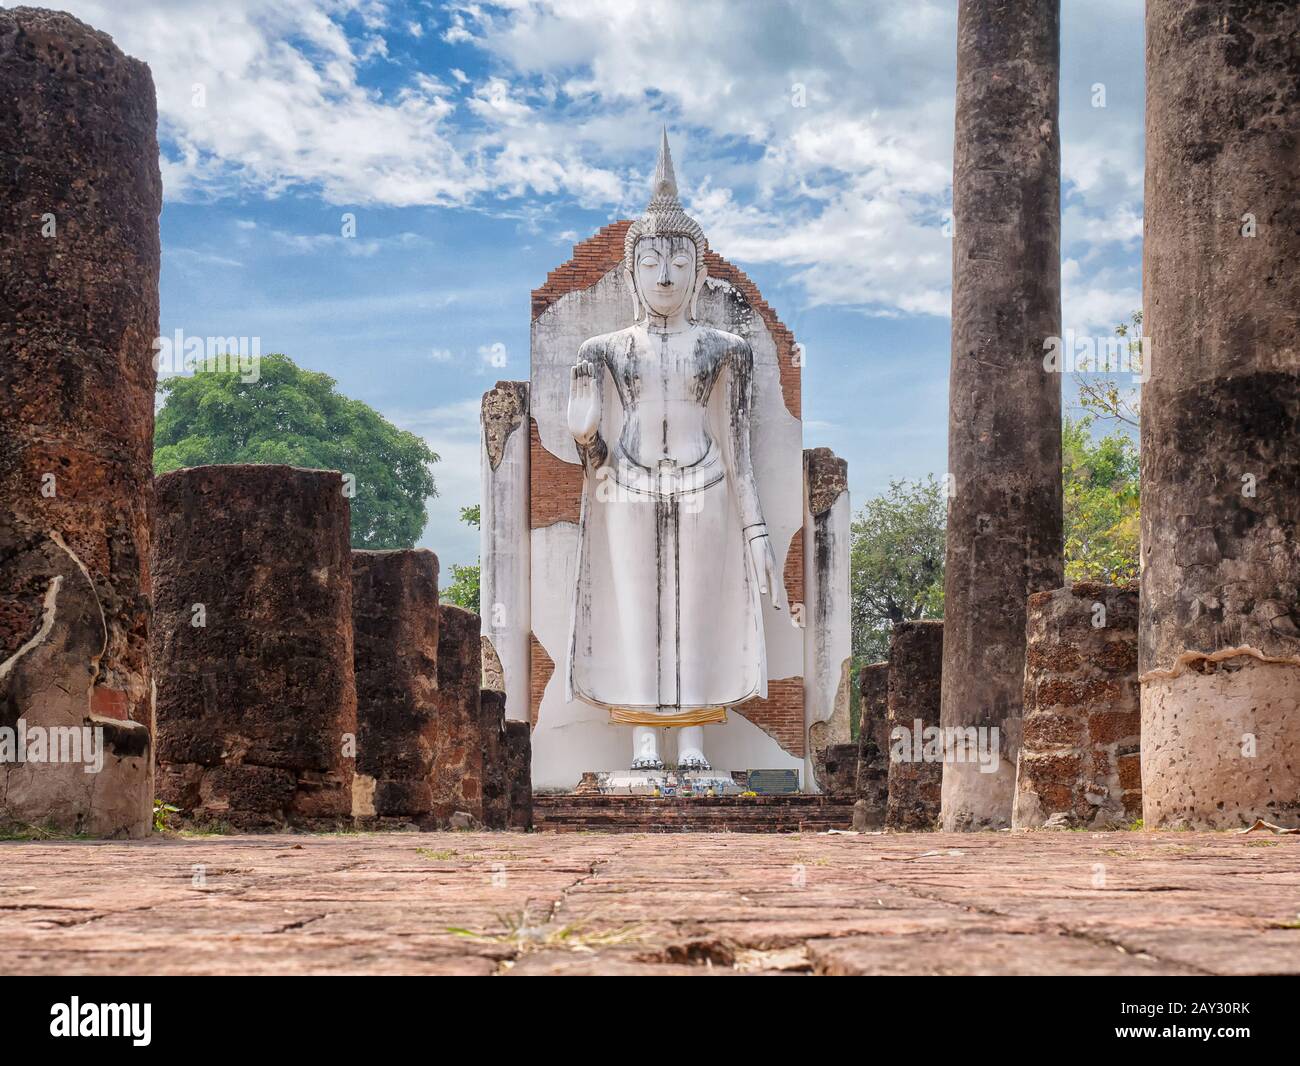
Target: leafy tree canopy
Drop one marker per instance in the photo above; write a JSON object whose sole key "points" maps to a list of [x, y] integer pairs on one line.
{"points": [[896, 563], [296, 417], [1100, 480], [463, 590]]}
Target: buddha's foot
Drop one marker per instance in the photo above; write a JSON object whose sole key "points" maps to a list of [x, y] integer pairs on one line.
{"points": [[693, 760], [647, 762]]}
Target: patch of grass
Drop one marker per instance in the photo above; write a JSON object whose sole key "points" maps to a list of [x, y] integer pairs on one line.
{"points": [[205, 829], [519, 932], [32, 831], [1135, 826], [440, 856]]}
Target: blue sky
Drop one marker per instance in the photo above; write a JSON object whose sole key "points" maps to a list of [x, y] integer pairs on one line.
{"points": [[474, 143]]}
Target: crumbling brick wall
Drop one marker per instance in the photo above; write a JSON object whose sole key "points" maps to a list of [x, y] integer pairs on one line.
{"points": [[1080, 754], [252, 645]]}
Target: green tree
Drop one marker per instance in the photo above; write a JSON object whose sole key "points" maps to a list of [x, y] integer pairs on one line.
{"points": [[896, 563], [1109, 398], [296, 417], [1100, 483], [463, 590]]}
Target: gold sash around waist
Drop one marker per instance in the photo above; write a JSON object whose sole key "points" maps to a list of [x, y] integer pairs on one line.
{"points": [[687, 716]]}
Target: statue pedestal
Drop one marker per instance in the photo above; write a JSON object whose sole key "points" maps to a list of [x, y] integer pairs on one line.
{"points": [[667, 783]]}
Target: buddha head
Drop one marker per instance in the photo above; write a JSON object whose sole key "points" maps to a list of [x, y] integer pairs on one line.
{"points": [[663, 252]]}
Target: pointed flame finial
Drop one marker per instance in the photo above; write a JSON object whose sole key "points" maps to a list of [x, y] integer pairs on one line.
{"points": [[665, 185], [664, 216]]}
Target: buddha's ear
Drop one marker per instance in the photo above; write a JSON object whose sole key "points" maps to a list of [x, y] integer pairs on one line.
{"points": [[701, 276], [638, 308]]}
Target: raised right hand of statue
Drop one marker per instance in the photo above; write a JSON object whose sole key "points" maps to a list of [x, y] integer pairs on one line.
{"points": [[584, 401]]}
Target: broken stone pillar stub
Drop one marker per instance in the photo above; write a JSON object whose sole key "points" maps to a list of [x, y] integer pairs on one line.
{"points": [[1079, 760], [252, 645], [518, 758], [871, 789], [457, 773], [496, 772], [80, 196], [395, 637], [916, 766]]}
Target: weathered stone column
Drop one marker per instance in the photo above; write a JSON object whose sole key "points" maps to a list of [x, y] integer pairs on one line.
{"points": [[872, 786], [915, 749], [395, 637], [496, 774], [1220, 622], [828, 640], [505, 576], [80, 195], [1004, 424], [1079, 764], [457, 779], [252, 645], [519, 773]]}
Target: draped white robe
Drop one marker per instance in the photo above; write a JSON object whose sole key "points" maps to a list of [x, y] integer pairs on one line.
{"points": [[666, 610]]}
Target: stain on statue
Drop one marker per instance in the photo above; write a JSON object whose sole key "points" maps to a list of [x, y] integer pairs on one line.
{"points": [[673, 553]]}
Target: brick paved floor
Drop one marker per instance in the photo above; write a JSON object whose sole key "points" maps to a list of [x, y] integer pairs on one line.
{"points": [[1094, 903]]}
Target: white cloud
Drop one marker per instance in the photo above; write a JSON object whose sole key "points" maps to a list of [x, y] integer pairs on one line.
{"points": [[1094, 303], [849, 192]]}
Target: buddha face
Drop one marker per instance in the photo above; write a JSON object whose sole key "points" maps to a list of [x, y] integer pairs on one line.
{"points": [[664, 271]]}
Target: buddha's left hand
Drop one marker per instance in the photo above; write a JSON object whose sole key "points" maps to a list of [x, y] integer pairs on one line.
{"points": [[769, 580]]}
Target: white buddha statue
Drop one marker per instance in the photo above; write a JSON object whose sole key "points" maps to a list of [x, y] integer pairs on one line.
{"points": [[673, 555]]}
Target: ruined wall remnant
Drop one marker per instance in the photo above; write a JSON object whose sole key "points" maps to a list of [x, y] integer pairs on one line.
{"points": [[457, 775], [1220, 616], [827, 632], [505, 573], [519, 773], [496, 774], [252, 644], [1080, 754], [915, 764], [1004, 536], [871, 788], [395, 636], [80, 195]]}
